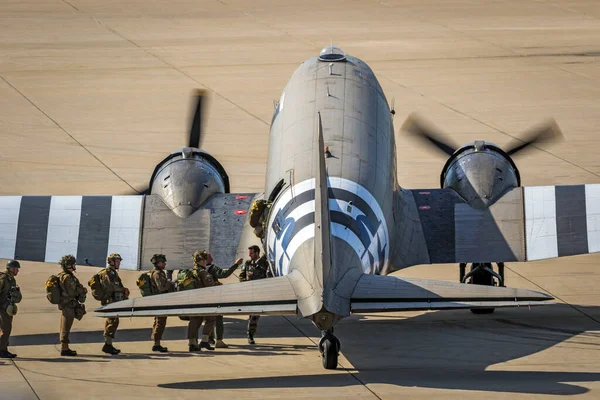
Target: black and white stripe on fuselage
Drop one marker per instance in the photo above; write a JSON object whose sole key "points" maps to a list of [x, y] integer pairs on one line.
{"points": [[356, 218]]}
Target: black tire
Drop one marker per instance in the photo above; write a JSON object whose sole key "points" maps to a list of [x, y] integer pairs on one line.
{"points": [[486, 279], [481, 311], [330, 354]]}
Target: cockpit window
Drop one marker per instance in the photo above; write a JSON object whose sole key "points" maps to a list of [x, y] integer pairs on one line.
{"points": [[332, 53]]}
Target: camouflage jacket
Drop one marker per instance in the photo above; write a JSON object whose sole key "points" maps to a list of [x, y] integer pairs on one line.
{"points": [[8, 284], [161, 283], [113, 286], [220, 273], [71, 290], [202, 278], [258, 269]]}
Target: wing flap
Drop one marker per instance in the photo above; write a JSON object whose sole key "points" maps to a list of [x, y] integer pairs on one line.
{"points": [[262, 297], [388, 293]]}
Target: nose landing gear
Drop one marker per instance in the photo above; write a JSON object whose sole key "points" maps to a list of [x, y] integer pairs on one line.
{"points": [[330, 347]]}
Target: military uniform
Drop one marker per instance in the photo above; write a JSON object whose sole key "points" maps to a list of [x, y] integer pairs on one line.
{"points": [[253, 270], [160, 284], [113, 286], [10, 294], [220, 273], [202, 279], [71, 305]]}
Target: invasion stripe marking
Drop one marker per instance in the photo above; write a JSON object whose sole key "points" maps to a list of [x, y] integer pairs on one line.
{"points": [[540, 222], [32, 230], [124, 235], [63, 227], [592, 206], [9, 221], [571, 220], [94, 230]]}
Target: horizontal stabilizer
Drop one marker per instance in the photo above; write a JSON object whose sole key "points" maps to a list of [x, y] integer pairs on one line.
{"points": [[273, 296], [374, 293]]}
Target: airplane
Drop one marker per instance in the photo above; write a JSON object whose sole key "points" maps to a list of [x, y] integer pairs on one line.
{"points": [[336, 222]]}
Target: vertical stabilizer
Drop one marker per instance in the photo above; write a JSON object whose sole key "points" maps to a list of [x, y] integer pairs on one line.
{"points": [[322, 217]]}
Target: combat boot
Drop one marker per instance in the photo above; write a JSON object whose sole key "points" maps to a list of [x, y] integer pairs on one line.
{"points": [[221, 345], [109, 349], [68, 353], [158, 347], [194, 348], [206, 345], [251, 338], [7, 354]]}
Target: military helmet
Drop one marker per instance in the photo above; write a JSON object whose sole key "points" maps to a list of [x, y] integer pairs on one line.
{"points": [[200, 255], [158, 258], [13, 264], [112, 257], [67, 261]]}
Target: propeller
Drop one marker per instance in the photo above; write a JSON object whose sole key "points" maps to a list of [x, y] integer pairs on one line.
{"points": [[423, 130], [548, 131], [418, 127], [200, 102], [195, 138]]}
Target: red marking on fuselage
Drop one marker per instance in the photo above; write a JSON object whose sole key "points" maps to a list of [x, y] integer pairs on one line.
{"points": [[241, 197], [240, 212]]}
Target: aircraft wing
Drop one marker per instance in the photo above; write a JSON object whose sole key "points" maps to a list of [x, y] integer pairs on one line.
{"points": [[376, 293], [273, 296], [44, 228], [526, 224]]}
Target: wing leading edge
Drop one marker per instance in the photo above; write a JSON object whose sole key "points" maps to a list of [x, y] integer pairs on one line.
{"points": [[375, 293]]}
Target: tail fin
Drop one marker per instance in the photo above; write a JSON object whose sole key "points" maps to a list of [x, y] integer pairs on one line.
{"points": [[322, 218]]}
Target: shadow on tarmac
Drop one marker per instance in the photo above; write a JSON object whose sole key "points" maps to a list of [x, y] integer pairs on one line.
{"points": [[441, 350], [451, 350]]}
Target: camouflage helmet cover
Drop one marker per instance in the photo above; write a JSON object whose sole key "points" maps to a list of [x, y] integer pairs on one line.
{"points": [[112, 257], [67, 261], [158, 258], [200, 255]]}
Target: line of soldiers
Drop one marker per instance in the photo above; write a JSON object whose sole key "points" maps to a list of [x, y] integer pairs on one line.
{"points": [[69, 294]]}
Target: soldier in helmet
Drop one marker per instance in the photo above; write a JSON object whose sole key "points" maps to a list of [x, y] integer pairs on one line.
{"points": [[71, 303], [10, 295], [256, 267], [160, 284], [115, 291], [220, 273], [201, 279]]}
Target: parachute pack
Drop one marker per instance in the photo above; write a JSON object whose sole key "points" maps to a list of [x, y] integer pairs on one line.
{"points": [[95, 283], [186, 280], [53, 289], [145, 284]]}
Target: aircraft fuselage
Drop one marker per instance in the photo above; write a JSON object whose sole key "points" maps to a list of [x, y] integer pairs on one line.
{"points": [[361, 170]]}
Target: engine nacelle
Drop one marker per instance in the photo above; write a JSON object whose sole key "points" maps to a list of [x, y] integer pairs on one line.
{"points": [[187, 178], [481, 173]]}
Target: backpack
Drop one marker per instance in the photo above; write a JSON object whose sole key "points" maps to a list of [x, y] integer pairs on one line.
{"points": [[53, 289], [186, 280], [95, 284], [145, 284]]}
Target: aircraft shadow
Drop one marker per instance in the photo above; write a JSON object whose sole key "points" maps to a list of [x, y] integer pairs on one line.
{"points": [[451, 350]]}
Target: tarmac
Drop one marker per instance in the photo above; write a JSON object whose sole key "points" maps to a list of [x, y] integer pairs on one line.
{"points": [[93, 94]]}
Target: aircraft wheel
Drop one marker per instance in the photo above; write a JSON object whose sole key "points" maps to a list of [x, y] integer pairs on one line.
{"points": [[482, 277], [330, 353]]}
